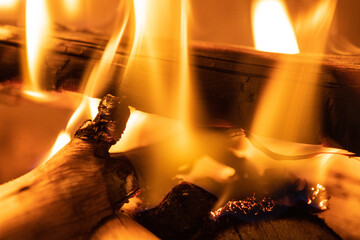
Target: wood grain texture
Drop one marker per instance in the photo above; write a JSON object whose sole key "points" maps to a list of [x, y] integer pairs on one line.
{"points": [[229, 80], [121, 227], [65, 197]]}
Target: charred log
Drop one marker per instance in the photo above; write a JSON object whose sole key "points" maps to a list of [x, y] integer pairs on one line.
{"points": [[65, 197], [181, 213], [295, 225]]}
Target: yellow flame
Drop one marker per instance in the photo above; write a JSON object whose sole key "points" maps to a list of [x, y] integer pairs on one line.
{"points": [[61, 141], [97, 82], [35, 95], [37, 29], [272, 28], [87, 109], [289, 106], [159, 61], [8, 3], [72, 6], [100, 76], [168, 86], [207, 167]]}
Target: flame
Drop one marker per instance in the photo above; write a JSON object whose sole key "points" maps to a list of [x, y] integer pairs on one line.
{"points": [[100, 76], [207, 167], [289, 106], [63, 139], [318, 197], [86, 109], [272, 27], [72, 6], [96, 83], [37, 29], [159, 44], [8, 4], [168, 86]]}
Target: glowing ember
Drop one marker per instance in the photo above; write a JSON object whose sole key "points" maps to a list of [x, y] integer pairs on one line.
{"points": [[318, 197], [272, 28], [249, 206]]}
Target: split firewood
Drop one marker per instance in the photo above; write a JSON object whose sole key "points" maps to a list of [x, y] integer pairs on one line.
{"points": [[65, 197], [121, 227], [229, 80]]}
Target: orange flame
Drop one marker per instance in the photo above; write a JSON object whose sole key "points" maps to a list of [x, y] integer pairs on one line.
{"points": [[272, 28], [37, 29], [96, 83], [72, 6], [8, 4], [289, 106]]}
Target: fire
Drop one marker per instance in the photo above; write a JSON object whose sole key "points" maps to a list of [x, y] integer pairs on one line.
{"points": [[168, 42], [318, 197], [272, 32], [72, 6], [63, 139], [8, 3], [158, 44], [289, 106], [97, 82], [207, 167], [86, 109], [99, 77], [37, 30], [272, 27]]}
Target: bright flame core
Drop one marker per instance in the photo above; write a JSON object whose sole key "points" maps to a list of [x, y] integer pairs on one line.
{"points": [[37, 29], [8, 3], [72, 6], [289, 106], [272, 28]]}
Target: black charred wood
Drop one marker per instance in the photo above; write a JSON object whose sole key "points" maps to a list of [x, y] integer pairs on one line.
{"points": [[296, 224], [181, 213]]}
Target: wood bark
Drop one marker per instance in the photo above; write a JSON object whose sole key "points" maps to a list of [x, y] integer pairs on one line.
{"points": [[229, 80], [65, 197]]}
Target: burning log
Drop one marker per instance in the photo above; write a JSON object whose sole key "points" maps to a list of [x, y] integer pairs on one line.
{"points": [[185, 214], [296, 226], [181, 213], [229, 80], [65, 197]]}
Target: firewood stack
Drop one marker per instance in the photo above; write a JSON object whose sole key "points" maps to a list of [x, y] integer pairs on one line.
{"points": [[79, 191]]}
